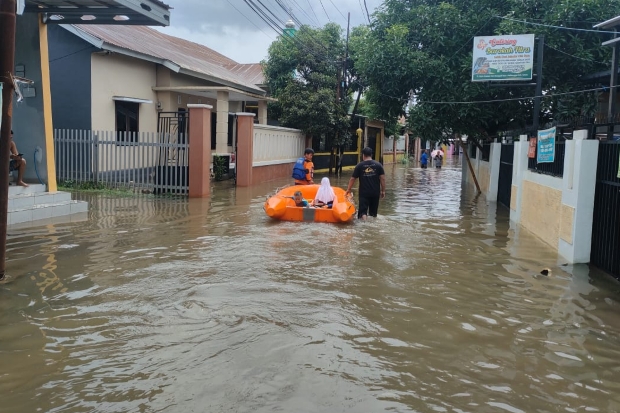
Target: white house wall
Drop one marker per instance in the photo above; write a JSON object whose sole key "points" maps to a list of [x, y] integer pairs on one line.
{"points": [[116, 75]]}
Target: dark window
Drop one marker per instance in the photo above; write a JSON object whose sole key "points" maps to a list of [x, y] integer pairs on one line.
{"points": [[231, 128], [127, 120]]}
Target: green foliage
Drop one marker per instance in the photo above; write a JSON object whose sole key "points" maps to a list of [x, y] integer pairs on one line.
{"points": [[423, 48], [303, 74], [219, 167], [90, 186]]}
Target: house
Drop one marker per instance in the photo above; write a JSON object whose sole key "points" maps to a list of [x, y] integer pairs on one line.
{"points": [[135, 79], [32, 117]]}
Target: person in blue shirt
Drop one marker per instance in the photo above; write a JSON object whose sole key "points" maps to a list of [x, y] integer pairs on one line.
{"points": [[424, 160], [299, 199]]}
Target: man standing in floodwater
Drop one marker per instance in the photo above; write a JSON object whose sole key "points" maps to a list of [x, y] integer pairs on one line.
{"points": [[372, 185]]}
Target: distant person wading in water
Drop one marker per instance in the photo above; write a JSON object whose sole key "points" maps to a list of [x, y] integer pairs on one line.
{"points": [[438, 157]]}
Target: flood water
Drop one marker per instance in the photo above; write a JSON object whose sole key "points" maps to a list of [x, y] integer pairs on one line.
{"points": [[176, 305]]}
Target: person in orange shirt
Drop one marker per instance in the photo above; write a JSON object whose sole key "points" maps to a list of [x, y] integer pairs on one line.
{"points": [[309, 167]]}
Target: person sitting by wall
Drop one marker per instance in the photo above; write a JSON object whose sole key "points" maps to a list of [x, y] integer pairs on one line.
{"points": [[325, 196], [17, 163]]}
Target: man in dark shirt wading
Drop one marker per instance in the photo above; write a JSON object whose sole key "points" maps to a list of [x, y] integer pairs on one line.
{"points": [[372, 184]]}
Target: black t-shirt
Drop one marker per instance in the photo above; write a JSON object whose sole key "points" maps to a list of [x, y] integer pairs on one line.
{"points": [[368, 173]]}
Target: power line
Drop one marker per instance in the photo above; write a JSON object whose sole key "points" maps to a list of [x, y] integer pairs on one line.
{"points": [[576, 57], [313, 12], [549, 95], [471, 38], [302, 10], [274, 26], [343, 16], [362, 8], [248, 19], [289, 12], [367, 14], [321, 1], [552, 26]]}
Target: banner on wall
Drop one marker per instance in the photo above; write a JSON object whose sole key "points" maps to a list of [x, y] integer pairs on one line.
{"points": [[531, 150], [545, 152], [503, 57]]}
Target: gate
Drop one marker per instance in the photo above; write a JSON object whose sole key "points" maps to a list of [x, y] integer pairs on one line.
{"points": [[605, 252], [173, 163], [504, 188]]}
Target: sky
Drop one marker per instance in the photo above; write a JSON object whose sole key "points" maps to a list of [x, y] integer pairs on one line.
{"points": [[231, 28]]}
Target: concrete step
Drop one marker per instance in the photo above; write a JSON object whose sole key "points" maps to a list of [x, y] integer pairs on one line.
{"points": [[26, 200], [32, 189], [46, 211]]}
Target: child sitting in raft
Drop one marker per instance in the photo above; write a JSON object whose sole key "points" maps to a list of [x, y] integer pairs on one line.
{"points": [[325, 196], [299, 199]]}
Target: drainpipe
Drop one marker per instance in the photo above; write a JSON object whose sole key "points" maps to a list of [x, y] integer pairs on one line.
{"points": [[7, 67]]}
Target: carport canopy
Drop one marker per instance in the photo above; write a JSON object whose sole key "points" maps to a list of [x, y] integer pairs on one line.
{"points": [[119, 12]]}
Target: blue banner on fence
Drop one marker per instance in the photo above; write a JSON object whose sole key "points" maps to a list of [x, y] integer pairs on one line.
{"points": [[545, 152]]}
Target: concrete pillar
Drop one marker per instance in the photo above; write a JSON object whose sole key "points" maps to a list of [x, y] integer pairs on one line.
{"points": [[495, 158], [221, 128], [519, 167], [245, 148], [262, 112], [199, 150], [579, 184]]}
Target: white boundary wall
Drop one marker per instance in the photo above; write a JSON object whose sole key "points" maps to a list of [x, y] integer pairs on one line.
{"points": [[275, 145]]}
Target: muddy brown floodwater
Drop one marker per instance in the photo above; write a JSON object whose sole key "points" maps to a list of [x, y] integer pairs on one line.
{"points": [[176, 305]]}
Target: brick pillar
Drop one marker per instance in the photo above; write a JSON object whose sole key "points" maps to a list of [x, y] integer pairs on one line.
{"points": [[199, 150], [245, 148]]}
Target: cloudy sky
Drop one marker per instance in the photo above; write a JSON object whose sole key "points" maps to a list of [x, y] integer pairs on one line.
{"points": [[232, 28]]}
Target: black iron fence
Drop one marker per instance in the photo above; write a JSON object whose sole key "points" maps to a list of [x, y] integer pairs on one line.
{"points": [[485, 152], [555, 168], [605, 252], [473, 149], [504, 188]]}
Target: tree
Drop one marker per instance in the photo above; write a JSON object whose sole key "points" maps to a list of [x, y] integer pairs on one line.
{"points": [[303, 72], [418, 55]]}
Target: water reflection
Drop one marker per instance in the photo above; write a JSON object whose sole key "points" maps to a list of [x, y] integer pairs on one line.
{"points": [[158, 304]]}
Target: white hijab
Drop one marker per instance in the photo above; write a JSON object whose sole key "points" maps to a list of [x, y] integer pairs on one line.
{"points": [[325, 193]]}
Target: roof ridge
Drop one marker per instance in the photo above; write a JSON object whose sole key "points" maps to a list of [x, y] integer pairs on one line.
{"points": [[184, 53]]}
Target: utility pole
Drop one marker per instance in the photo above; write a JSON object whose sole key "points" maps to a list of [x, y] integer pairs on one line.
{"points": [[343, 90], [345, 64], [7, 66], [538, 93]]}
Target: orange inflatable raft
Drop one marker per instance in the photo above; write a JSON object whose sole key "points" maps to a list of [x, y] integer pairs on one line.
{"points": [[281, 206]]}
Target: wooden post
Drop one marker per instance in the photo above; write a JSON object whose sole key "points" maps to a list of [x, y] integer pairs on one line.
{"points": [[471, 168], [199, 150], [8, 25]]}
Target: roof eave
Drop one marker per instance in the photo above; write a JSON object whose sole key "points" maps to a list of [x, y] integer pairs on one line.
{"points": [[614, 22], [215, 79]]}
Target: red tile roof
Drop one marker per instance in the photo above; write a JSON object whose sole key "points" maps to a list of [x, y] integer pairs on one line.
{"points": [[188, 55]]}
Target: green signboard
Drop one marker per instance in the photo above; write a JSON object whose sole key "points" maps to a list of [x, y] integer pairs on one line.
{"points": [[503, 57]]}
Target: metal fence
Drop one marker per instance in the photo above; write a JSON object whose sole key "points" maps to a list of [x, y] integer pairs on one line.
{"points": [[555, 168], [485, 152], [504, 185], [606, 224], [157, 162]]}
